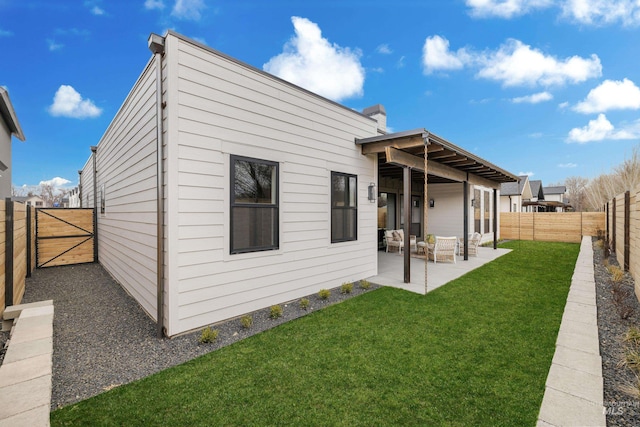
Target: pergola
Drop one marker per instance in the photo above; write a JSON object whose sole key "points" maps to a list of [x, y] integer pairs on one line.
{"points": [[439, 161]]}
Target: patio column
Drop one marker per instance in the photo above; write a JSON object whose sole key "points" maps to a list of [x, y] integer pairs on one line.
{"points": [[465, 216], [406, 178], [495, 218], [425, 210]]}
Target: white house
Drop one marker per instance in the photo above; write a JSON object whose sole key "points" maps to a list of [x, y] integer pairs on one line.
{"points": [[512, 194], [267, 193], [555, 197], [9, 126]]}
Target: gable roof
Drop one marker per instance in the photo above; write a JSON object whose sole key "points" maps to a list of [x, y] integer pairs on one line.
{"points": [[561, 189], [514, 188], [9, 115], [536, 189]]}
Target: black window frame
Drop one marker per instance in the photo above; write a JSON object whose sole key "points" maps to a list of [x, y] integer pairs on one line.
{"points": [[346, 207], [273, 206]]}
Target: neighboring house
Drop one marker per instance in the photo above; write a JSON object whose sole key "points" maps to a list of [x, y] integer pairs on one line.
{"points": [[512, 194], [555, 198], [9, 126], [268, 192], [35, 201], [73, 200], [536, 202]]}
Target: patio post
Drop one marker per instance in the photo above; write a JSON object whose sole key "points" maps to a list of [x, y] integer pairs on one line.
{"points": [[495, 218], [465, 216], [406, 178], [425, 210]]}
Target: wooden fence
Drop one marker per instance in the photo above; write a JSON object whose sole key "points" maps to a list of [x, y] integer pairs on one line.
{"points": [[17, 250], [551, 226], [623, 232]]}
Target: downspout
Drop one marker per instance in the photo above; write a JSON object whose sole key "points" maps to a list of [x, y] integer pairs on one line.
{"points": [[156, 45], [80, 186], [94, 150]]}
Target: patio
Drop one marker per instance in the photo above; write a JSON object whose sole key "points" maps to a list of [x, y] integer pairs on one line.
{"points": [[391, 269]]}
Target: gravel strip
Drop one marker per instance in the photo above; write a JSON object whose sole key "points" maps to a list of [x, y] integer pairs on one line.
{"points": [[622, 408], [102, 338]]}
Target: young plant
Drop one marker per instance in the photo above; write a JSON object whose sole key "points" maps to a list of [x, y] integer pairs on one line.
{"points": [[365, 284], [304, 303], [208, 335], [631, 360], [346, 288], [246, 321], [617, 274], [275, 312], [632, 336], [324, 293]]}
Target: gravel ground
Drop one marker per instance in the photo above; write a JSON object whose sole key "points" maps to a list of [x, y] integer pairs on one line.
{"points": [[623, 409], [102, 338]]}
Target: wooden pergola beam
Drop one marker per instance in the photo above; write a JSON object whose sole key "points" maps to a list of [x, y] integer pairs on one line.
{"points": [[379, 147]]}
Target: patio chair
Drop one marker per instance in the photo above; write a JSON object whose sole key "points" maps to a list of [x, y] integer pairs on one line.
{"points": [[444, 248], [474, 242], [392, 240]]}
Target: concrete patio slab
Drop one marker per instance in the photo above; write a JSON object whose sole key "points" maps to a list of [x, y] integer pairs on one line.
{"points": [[579, 328], [578, 342], [391, 270], [582, 299], [576, 316], [13, 311], [25, 370]]}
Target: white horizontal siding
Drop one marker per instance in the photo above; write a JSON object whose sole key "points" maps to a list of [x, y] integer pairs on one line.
{"points": [[226, 109], [446, 218], [126, 167]]}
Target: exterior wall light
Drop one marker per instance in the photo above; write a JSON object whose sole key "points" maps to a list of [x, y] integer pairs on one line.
{"points": [[372, 192]]}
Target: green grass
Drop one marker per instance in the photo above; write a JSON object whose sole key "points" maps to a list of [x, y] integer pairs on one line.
{"points": [[475, 352]]}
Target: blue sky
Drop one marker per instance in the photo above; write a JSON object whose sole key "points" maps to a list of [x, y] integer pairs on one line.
{"points": [[549, 88]]}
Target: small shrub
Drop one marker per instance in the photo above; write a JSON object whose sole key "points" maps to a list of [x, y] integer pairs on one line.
{"points": [[631, 360], [606, 263], [246, 321], [346, 288], [275, 311], [208, 335], [365, 284], [324, 293], [632, 336], [304, 303], [632, 388], [599, 244], [617, 274]]}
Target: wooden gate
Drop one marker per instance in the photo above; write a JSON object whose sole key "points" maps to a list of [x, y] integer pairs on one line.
{"points": [[64, 236]]}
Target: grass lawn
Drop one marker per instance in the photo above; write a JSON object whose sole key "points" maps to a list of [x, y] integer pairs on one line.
{"points": [[475, 352]]}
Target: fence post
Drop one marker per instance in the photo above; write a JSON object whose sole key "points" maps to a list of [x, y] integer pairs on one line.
{"points": [[613, 227], [606, 224], [627, 217], [8, 253], [28, 236]]}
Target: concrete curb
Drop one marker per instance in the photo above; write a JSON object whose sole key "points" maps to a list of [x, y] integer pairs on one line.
{"points": [[26, 373], [574, 390]]}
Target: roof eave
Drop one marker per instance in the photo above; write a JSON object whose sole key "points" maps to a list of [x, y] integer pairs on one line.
{"points": [[9, 114]]}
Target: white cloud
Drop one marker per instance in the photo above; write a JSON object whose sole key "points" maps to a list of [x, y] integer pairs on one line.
{"points": [[378, 70], [400, 63], [533, 99], [94, 8], [526, 173], [384, 49], [5, 33], [97, 10], [154, 4], [505, 8], [517, 64], [601, 12], [56, 182], [67, 102], [311, 61], [567, 165], [437, 56], [514, 63], [601, 129], [563, 105], [53, 45], [188, 9], [611, 95], [536, 135]]}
